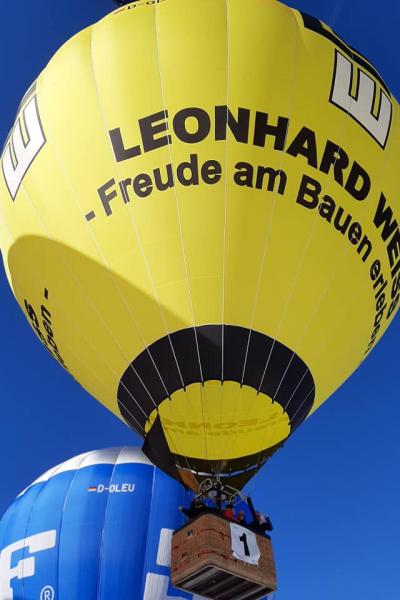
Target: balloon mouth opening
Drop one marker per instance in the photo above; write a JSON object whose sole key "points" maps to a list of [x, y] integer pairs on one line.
{"points": [[215, 399]]}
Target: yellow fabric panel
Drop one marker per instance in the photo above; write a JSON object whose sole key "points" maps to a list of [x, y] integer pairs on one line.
{"points": [[217, 421]]}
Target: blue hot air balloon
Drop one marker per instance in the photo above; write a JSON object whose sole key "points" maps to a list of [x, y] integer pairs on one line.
{"points": [[98, 526]]}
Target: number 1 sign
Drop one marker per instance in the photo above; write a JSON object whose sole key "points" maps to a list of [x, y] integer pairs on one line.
{"points": [[244, 544]]}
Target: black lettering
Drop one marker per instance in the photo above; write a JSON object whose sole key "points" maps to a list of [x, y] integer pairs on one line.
{"points": [[243, 538], [120, 152], [203, 125], [327, 208], [263, 129], [342, 227], [123, 187], [309, 188], [395, 286], [52, 343], [159, 183], [337, 158], [379, 281], [375, 270], [380, 302], [305, 144], [142, 185], [393, 306], [48, 328], [358, 176], [31, 314], [272, 175], [364, 243], [354, 233], [383, 216], [211, 172], [192, 167], [46, 314], [239, 126], [379, 315], [244, 174], [150, 127], [106, 198], [393, 248], [395, 268], [383, 285]]}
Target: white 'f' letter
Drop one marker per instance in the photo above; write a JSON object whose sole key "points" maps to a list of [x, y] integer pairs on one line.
{"points": [[26, 566]]}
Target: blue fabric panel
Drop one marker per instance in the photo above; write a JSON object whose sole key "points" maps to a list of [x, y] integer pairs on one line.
{"points": [[164, 514], [46, 516], [125, 532], [81, 533], [13, 529]]}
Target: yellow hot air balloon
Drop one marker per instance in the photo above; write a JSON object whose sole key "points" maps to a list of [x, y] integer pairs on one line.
{"points": [[199, 217]]}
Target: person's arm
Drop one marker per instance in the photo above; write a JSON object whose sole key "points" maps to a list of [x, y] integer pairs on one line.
{"points": [[252, 509]]}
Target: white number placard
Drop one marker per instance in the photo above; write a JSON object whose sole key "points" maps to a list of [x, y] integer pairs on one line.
{"points": [[244, 544]]}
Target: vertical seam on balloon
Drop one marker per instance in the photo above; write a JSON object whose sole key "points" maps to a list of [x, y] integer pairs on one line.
{"points": [[25, 549], [295, 389], [227, 448], [72, 352], [296, 275], [87, 340], [176, 200], [84, 456], [36, 212], [291, 108], [302, 404], [227, 30], [99, 574], [35, 278], [288, 299], [181, 237], [166, 432], [145, 558], [225, 186], [139, 242], [343, 313], [268, 228], [267, 234], [343, 255], [284, 375], [138, 239]]}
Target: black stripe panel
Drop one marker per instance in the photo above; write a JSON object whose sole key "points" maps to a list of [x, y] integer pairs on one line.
{"points": [[201, 354], [195, 355], [157, 450]]}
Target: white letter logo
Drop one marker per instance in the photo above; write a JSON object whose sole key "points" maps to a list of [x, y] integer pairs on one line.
{"points": [[22, 147], [156, 587], [25, 567], [371, 112]]}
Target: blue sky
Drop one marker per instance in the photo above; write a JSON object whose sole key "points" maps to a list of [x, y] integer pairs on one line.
{"points": [[333, 492]]}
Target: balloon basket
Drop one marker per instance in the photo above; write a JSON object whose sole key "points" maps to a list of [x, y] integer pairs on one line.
{"points": [[219, 559]]}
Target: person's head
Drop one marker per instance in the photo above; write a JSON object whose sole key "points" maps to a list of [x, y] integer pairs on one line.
{"points": [[241, 515]]}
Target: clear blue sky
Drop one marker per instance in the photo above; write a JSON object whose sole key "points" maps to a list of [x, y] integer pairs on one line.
{"points": [[334, 491]]}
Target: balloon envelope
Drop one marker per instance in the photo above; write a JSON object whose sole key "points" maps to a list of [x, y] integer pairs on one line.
{"points": [[199, 221], [98, 526]]}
